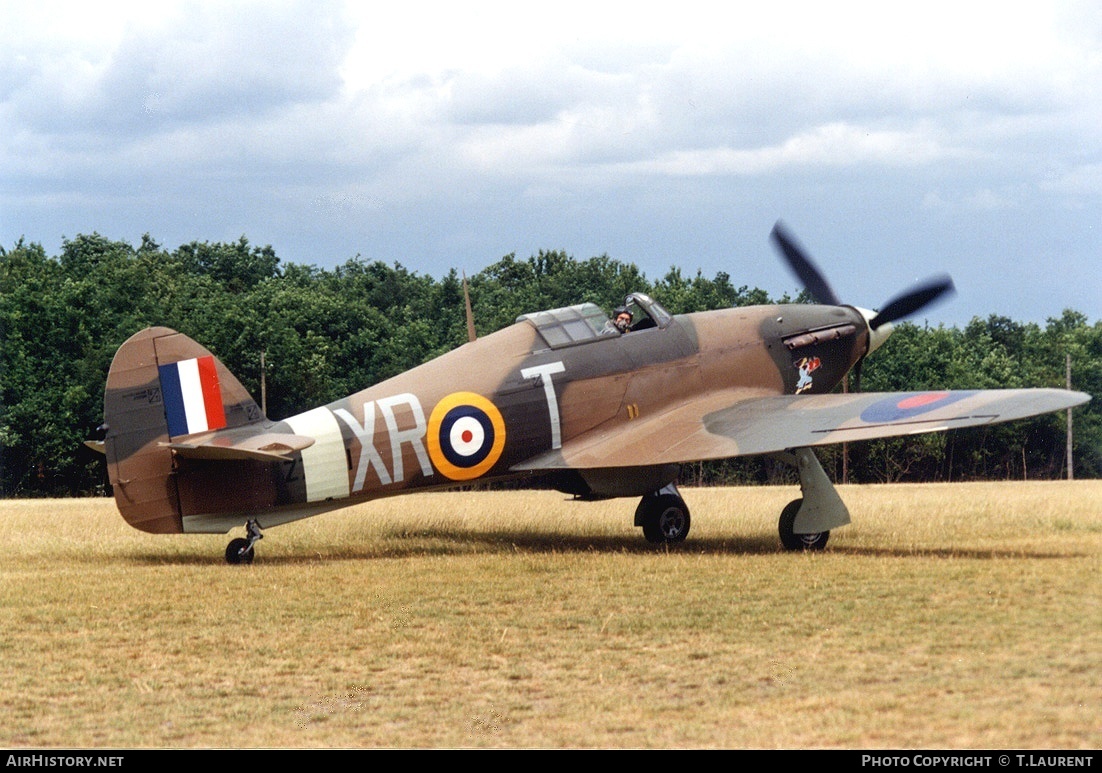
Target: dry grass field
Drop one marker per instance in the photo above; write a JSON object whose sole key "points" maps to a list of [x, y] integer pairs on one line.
{"points": [[963, 616]]}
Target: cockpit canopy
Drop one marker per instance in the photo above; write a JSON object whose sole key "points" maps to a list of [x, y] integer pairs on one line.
{"points": [[573, 325], [646, 312]]}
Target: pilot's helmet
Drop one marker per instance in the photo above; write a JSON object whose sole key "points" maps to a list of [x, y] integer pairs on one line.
{"points": [[622, 310]]}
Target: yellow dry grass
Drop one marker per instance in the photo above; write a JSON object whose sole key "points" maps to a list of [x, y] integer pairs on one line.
{"points": [[958, 616]]}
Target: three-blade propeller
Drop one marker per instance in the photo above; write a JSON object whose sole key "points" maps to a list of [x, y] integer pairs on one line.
{"points": [[902, 305], [879, 322]]}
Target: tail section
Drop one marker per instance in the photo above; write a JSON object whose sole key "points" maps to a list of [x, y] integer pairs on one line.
{"points": [[163, 385]]}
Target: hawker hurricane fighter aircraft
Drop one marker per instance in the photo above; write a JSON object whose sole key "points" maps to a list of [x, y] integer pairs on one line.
{"points": [[561, 395]]}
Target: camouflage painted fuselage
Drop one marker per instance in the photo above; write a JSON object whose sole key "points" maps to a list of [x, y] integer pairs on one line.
{"points": [[508, 405]]}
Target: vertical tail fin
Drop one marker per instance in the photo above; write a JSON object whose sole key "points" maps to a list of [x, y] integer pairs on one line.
{"points": [[163, 385]]}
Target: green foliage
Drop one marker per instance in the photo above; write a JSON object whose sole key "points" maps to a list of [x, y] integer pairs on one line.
{"points": [[682, 296], [989, 354], [298, 336], [509, 288]]}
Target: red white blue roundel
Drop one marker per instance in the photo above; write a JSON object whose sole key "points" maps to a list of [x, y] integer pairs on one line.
{"points": [[466, 435], [909, 404]]}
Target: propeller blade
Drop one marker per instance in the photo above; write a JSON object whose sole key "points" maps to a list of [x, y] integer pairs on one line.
{"points": [[813, 279], [911, 301]]}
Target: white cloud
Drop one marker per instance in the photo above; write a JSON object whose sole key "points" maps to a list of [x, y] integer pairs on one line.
{"points": [[329, 127]]}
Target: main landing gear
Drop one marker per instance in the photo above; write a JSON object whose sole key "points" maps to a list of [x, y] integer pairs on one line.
{"points": [[240, 550], [805, 523], [793, 541], [663, 515]]}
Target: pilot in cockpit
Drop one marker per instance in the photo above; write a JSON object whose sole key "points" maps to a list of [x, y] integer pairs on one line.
{"points": [[620, 322]]}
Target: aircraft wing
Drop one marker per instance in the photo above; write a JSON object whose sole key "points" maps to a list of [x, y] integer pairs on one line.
{"points": [[726, 425]]}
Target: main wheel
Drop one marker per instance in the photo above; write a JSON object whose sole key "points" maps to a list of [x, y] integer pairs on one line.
{"points": [[239, 551], [793, 541], [665, 518]]}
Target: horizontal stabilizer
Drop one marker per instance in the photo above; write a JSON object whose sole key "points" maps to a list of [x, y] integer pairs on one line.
{"points": [[268, 447]]}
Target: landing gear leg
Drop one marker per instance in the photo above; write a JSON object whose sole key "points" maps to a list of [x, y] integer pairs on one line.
{"points": [[805, 523], [240, 550], [663, 515]]}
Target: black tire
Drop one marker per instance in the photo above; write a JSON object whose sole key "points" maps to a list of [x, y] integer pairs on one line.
{"points": [[793, 541], [665, 519], [239, 552]]}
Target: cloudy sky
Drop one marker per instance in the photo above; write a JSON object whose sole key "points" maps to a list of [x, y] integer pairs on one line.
{"points": [[896, 140]]}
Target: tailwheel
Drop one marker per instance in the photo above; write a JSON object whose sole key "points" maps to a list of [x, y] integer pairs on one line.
{"points": [[240, 550], [664, 518], [793, 541]]}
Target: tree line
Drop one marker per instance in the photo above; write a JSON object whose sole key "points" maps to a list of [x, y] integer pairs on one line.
{"points": [[309, 336]]}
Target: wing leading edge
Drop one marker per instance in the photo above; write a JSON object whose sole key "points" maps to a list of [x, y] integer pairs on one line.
{"points": [[727, 425]]}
